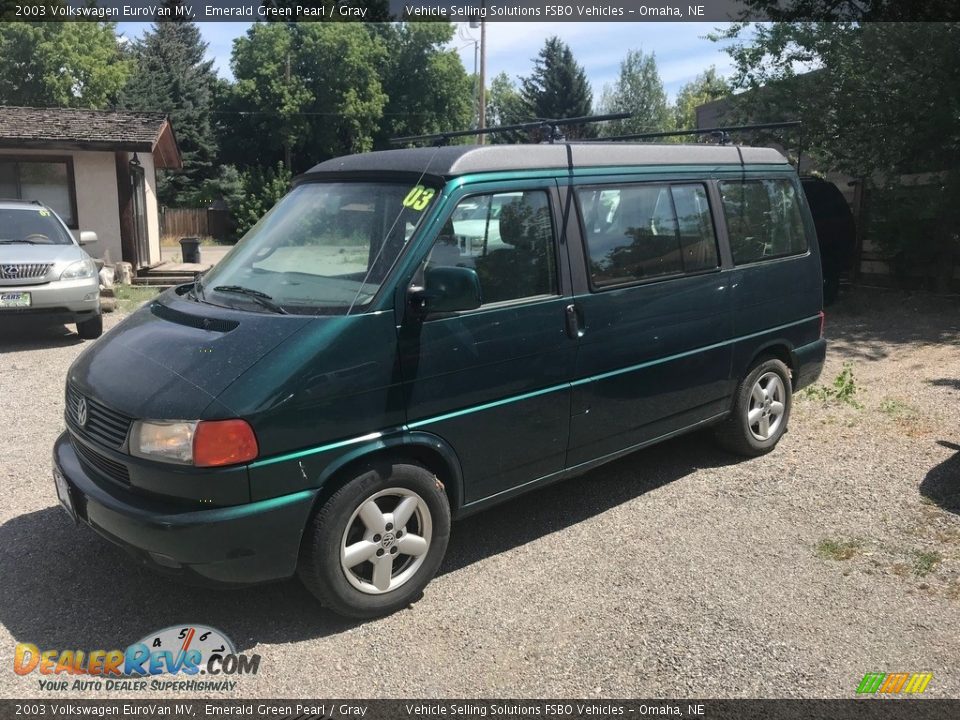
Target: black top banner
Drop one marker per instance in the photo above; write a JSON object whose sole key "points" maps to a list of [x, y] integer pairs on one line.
{"points": [[476, 10]]}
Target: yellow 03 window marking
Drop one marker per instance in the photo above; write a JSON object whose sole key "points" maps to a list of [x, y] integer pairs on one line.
{"points": [[419, 197]]}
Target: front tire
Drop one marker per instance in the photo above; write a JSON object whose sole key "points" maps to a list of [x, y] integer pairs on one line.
{"points": [[377, 541], [91, 329], [761, 410]]}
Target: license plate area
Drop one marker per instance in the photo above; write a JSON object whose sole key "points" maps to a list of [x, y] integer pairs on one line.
{"points": [[15, 299], [63, 493]]}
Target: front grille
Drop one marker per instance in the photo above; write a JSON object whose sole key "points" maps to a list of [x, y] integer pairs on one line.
{"points": [[23, 271], [105, 426], [110, 468]]}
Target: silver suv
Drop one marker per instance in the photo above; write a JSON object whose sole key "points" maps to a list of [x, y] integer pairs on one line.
{"points": [[44, 272]]}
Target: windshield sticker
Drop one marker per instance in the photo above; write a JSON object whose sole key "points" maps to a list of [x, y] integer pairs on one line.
{"points": [[419, 197], [44, 212]]}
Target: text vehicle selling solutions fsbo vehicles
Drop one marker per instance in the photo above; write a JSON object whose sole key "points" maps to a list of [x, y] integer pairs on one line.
{"points": [[412, 335]]}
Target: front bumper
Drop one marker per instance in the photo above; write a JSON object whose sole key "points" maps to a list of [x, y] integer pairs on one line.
{"points": [[63, 300], [236, 545]]}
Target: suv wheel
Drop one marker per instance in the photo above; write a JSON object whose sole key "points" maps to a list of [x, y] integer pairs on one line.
{"points": [[91, 329], [376, 543], [761, 410]]}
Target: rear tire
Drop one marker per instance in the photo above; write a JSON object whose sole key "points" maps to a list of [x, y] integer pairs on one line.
{"points": [[91, 329], [761, 410], [374, 545]]}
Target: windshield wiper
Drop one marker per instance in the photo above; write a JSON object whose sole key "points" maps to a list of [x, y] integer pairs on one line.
{"points": [[11, 242], [261, 298]]}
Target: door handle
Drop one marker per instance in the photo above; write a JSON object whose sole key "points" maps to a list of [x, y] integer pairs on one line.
{"points": [[574, 322]]}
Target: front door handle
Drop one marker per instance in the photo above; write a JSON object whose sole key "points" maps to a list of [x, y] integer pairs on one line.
{"points": [[574, 322]]}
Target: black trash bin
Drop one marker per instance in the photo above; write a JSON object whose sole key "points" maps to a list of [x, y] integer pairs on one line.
{"points": [[190, 249]]}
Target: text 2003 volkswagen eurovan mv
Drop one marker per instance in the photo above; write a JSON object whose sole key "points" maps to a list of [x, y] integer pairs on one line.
{"points": [[413, 335]]}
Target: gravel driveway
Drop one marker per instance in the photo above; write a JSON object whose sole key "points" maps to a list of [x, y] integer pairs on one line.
{"points": [[677, 571]]}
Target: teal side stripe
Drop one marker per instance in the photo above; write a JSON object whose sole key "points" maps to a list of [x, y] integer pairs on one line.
{"points": [[316, 450], [518, 398], [687, 353], [487, 406]]}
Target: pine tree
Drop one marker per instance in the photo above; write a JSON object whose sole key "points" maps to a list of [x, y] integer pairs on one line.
{"points": [[172, 76], [558, 88]]}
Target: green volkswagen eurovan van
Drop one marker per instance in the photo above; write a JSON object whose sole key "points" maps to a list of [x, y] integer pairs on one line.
{"points": [[413, 335]]}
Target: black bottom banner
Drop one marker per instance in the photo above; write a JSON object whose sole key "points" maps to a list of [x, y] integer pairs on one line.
{"points": [[859, 709]]}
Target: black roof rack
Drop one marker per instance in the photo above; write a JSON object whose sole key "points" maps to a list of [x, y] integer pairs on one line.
{"points": [[552, 126], [721, 133]]}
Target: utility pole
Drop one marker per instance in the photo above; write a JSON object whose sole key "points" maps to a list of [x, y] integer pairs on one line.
{"points": [[482, 80]]}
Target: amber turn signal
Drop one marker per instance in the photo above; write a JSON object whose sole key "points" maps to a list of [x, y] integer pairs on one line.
{"points": [[223, 442]]}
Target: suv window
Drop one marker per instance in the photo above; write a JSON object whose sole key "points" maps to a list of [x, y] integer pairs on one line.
{"points": [[637, 232], [507, 238], [31, 225], [763, 219]]}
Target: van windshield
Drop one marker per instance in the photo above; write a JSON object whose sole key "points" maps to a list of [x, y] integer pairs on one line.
{"points": [[323, 249]]}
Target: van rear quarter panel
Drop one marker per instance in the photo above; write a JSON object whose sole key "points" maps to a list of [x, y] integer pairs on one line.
{"points": [[776, 303]]}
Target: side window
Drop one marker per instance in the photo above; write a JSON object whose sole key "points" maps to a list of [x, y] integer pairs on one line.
{"points": [[763, 219], [637, 232], [507, 238], [697, 238]]}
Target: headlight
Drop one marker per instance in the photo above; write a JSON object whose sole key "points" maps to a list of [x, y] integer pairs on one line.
{"points": [[80, 270], [204, 443], [163, 440]]}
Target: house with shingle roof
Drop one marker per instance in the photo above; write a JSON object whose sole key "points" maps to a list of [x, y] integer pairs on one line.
{"points": [[95, 168]]}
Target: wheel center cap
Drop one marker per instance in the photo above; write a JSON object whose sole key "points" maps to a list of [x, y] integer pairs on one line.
{"points": [[387, 540]]}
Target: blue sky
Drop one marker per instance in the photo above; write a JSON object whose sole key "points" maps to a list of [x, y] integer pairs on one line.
{"points": [[682, 49]]}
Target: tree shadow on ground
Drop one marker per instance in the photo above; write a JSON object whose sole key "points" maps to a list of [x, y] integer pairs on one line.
{"points": [[942, 483], [866, 324], [65, 587]]}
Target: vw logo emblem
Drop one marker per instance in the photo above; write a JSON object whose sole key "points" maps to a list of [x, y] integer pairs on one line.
{"points": [[10, 271], [82, 412]]}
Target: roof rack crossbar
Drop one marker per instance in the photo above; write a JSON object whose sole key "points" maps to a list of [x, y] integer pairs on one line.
{"points": [[552, 126], [722, 133]]}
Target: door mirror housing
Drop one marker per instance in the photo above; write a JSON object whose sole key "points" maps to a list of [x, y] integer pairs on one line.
{"points": [[446, 290], [87, 237]]}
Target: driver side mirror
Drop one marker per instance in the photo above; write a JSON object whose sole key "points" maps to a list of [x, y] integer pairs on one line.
{"points": [[447, 289], [87, 237]]}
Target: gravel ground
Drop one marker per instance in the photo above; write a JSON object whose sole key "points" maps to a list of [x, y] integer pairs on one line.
{"points": [[677, 571]]}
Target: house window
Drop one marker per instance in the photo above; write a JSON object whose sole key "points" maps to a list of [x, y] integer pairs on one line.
{"points": [[46, 179]]}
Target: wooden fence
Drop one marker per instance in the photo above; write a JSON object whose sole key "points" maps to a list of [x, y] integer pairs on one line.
{"points": [[176, 223]]}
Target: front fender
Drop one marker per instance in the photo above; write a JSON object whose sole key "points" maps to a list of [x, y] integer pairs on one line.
{"points": [[313, 468]]}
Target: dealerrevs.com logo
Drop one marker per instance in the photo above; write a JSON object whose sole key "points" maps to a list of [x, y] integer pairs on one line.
{"points": [[894, 683], [172, 659]]}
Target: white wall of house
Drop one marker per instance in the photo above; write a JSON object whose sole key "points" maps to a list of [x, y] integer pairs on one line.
{"points": [[98, 208], [98, 205]]}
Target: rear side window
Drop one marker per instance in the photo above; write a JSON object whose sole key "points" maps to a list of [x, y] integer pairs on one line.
{"points": [[638, 232], [763, 219]]}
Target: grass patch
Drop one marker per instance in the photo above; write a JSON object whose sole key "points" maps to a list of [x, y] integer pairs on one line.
{"points": [[830, 549], [897, 409], [924, 562], [842, 390], [131, 297]]}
